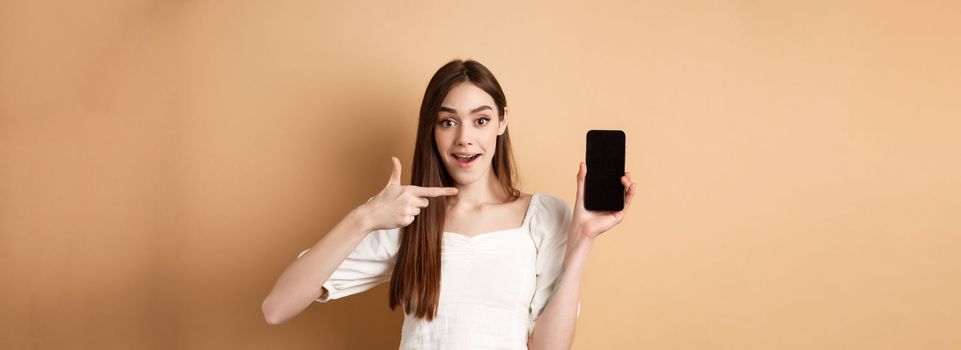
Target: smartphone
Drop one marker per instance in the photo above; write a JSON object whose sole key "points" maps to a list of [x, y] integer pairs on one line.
{"points": [[603, 190]]}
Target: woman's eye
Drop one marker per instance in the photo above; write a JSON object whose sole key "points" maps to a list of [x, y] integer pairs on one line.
{"points": [[444, 123], [484, 120]]}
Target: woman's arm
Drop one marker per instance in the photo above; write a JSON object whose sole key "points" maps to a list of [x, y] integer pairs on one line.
{"points": [[302, 281], [554, 328]]}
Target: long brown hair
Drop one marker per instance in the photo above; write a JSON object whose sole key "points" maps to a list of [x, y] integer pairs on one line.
{"points": [[415, 282]]}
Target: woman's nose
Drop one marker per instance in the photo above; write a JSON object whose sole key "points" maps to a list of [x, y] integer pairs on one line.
{"points": [[463, 137]]}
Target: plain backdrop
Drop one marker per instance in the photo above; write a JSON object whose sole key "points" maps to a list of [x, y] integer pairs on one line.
{"points": [[162, 162]]}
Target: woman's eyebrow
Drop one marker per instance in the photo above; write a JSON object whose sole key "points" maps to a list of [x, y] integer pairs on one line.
{"points": [[475, 110]]}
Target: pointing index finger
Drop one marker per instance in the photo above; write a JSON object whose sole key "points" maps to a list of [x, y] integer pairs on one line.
{"points": [[433, 191]]}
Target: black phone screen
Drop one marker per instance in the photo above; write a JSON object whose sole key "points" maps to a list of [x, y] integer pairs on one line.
{"points": [[603, 190]]}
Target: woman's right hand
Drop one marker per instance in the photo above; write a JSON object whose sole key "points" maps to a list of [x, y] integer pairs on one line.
{"points": [[397, 205]]}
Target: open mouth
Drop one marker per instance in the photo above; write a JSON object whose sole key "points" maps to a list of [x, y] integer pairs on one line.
{"points": [[465, 161]]}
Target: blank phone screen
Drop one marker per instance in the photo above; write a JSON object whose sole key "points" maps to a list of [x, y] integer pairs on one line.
{"points": [[603, 190]]}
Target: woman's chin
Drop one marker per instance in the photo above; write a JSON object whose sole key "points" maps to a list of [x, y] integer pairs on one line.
{"points": [[463, 176]]}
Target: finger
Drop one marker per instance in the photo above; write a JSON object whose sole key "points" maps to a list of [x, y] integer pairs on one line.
{"points": [[581, 175], [421, 202], [433, 191], [413, 211], [630, 195], [628, 174], [395, 172]]}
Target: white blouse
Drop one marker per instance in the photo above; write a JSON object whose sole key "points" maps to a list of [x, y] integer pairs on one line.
{"points": [[493, 285]]}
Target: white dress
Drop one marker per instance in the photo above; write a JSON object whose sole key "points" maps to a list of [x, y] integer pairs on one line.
{"points": [[493, 285]]}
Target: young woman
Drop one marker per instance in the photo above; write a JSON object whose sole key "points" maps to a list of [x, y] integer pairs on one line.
{"points": [[473, 262]]}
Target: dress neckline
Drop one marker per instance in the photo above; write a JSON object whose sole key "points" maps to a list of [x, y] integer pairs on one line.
{"points": [[527, 215]]}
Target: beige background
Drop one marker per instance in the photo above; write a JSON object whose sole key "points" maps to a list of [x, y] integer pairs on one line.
{"points": [[161, 162]]}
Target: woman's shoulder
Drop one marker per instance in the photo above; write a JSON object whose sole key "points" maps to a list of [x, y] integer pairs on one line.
{"points": [[548, 208], [551, 215], [550, 203]]}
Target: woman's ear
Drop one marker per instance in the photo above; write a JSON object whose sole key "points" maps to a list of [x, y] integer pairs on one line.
{"points": [[503, 124]]}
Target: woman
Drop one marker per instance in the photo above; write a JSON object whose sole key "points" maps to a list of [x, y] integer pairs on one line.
{"points": [[473, 262]]}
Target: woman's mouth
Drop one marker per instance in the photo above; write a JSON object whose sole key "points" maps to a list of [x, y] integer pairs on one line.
{"points": [[466, 161]]}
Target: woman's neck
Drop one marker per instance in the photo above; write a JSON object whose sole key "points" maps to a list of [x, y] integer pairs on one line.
{"points": [[483, 192]]}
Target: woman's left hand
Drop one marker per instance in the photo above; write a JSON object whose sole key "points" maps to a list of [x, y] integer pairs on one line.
{"points": [[591, 224]]}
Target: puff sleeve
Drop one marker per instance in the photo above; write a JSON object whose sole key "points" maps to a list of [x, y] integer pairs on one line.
{"points": [[549, 228], [368, 265]]}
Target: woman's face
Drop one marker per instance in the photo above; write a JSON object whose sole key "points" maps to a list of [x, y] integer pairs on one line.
{"points": [[468, 124]]}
